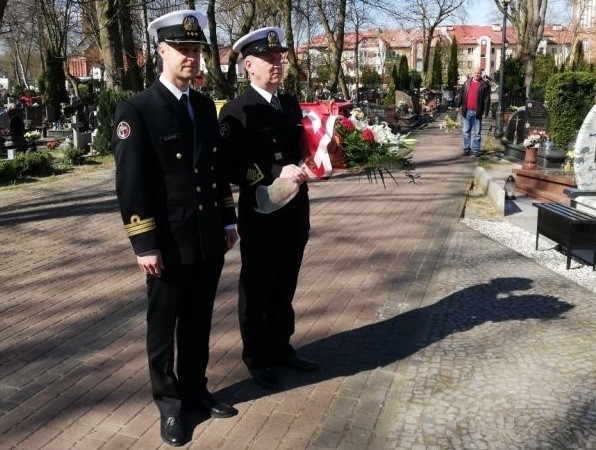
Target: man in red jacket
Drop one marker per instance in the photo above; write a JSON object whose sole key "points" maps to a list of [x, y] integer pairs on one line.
{"points": [[474, 103]]}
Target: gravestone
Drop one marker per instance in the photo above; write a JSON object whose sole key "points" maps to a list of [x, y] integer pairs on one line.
{"points": [[584, 166], [584, 154], [81, 139], [537, 118], [402, 97], [516, 127]]}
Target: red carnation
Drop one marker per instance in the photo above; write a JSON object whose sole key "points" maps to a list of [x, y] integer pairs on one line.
{"points": [[346, 124], [367, 135]]}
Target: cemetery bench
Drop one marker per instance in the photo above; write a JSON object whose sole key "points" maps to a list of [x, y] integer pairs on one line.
{"points": [[568, 227]]}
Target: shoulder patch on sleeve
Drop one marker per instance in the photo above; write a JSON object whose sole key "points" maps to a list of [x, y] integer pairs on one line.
{"points": [[123, 130], [224, 131]]}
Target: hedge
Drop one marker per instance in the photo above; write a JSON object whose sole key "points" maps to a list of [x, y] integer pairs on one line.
{"points": [[569, 97], [34, 164]]}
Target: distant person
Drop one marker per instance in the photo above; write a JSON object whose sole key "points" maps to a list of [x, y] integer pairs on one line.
{"points": [[16, 126], [178, 211], [474, 103]]}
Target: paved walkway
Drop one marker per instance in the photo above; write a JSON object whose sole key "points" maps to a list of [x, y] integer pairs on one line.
{"points": [[430, 335]]}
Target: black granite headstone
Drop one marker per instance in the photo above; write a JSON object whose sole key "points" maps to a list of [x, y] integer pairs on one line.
{"points": [[536, 117], [515, 128]]}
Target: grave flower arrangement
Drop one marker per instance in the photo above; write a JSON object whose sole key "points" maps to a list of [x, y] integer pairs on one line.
{"points": [[449, 124], [535, 138], [372, 147], [32, 136]]}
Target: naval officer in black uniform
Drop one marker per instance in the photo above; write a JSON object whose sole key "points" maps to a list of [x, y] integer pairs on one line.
{"points": [[178, 212], [260, 133]]}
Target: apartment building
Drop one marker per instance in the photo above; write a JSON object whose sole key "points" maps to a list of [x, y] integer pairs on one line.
{"points": [[584, 18], [478, 46]]}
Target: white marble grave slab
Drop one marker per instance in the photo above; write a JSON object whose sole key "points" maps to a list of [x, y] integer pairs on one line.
{"points": [[584, 154]]}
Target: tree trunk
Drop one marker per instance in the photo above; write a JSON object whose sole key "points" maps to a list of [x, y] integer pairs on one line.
{"points": [[294, 68], [336, 43], [109, 42], [147, 44], [132, 77], [528, 20]]}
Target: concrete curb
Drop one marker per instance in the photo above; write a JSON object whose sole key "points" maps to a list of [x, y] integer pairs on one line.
{"points": [[494, 189]]}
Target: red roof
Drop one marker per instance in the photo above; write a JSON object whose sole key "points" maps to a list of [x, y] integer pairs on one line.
{"points": [[465, 35]]}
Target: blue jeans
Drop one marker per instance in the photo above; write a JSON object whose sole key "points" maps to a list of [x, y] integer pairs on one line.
{"points": [[471, 131]]}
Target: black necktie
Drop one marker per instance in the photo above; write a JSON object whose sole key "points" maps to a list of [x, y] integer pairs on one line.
{"points": [[187, 107], [275, 102]]}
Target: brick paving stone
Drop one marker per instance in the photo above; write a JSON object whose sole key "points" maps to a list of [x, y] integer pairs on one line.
{"points": [[429, 335]]}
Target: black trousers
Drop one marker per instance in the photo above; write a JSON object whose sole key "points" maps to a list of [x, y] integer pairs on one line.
{"points": [[271, 249], [178, 328]]}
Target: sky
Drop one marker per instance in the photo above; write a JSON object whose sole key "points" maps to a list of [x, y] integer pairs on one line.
{"points": [[483, 12]]}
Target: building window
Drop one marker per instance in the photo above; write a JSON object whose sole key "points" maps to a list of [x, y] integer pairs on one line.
{"points": [[470, 50], [469, 64]]}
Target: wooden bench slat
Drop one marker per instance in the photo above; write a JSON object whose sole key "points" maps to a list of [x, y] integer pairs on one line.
{"points": [[568, 227]]}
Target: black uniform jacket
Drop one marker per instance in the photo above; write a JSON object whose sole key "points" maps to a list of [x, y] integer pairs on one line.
{"points": [[258, 141], [171, 186]]}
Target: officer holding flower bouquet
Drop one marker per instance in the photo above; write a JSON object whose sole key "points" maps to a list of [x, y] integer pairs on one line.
{"points": [[260, 133]]}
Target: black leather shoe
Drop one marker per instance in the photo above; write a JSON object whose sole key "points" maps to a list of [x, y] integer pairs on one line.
{"points": [[215, 408], [172, 431], [299, 364], [265, 377]]}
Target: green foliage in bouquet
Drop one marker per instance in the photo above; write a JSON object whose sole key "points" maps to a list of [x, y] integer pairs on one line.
{"points": [[373, 147]]}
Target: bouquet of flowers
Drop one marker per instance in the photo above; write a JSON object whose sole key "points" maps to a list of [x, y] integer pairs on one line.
{"points": [[535, 138], [32, 136], [334, 142], [372, 147]]}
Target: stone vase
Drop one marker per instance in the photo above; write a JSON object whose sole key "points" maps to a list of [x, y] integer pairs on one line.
{"points": [[530, 157]]}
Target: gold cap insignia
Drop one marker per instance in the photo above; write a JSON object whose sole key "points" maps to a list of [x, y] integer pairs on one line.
{"points": [[273, 39], [190, 24]]}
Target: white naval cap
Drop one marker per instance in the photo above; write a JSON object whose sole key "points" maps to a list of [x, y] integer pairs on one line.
{"points": [[260, 41], [184, 26]]}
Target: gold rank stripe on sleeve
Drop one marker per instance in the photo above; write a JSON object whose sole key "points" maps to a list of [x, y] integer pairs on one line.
{"points": [[139, 226], [255, 175], [228, 202]]}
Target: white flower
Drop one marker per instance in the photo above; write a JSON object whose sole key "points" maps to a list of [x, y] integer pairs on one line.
{"points": [[32, 135]]}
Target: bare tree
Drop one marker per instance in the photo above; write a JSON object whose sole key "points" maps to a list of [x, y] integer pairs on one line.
{"points": [[332, 16], [237, 18], [19, 33], [109, 42], [579, 25], [528, 20], [428, 15]]}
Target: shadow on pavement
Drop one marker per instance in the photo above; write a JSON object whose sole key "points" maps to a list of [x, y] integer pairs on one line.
{"points": [[382, 343]]}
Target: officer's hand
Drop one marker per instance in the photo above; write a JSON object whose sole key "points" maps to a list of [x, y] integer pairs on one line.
{"points": [[231, 238], [151, 264], [294, 172]]}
